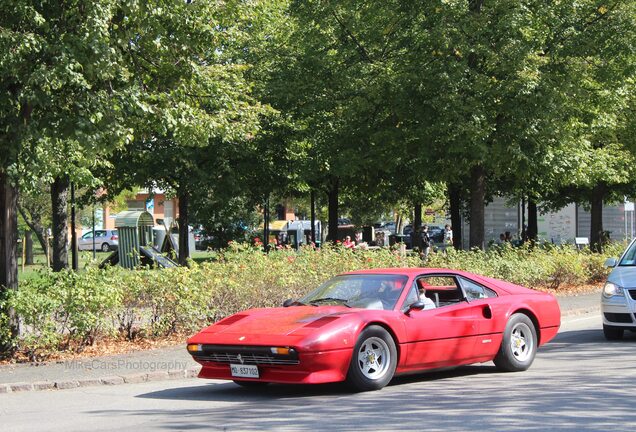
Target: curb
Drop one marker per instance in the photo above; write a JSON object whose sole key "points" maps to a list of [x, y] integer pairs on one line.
{"points": [[107, 380], [580, 311]]}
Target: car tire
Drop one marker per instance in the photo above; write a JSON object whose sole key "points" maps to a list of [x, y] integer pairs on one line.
{"points": [[519, 344], [251, 384], [612, 333], [105, 247], [373, 361]]}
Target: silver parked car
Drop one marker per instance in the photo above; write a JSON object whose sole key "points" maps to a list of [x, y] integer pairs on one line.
{"points": [[618, 300], [105, 240]]}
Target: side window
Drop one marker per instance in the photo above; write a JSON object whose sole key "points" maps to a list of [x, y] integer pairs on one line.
{"points": [[412, 297], [100, 233], [88, 235], [444, 290], [474, 291]]}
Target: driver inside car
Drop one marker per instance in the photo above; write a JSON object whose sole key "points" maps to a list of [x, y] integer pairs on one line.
{"points": [[428, 303]]}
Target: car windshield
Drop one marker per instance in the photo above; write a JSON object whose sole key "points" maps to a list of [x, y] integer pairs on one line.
{"points": [[366, 291], [629, 258]]}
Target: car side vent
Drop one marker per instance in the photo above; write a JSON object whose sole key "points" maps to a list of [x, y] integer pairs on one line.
{"points": [[321, 321], [231, 320]]}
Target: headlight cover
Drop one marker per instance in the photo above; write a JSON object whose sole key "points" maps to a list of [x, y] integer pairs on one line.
{"points": [[612, 290]]}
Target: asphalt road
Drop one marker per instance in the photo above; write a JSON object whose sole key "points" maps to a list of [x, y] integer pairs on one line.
{"points": [[578, 382]]}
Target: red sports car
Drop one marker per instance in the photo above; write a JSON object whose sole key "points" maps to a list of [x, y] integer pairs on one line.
{"points": [[366, 326]]}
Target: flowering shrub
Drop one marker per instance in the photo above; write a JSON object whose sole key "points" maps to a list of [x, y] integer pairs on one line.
{"points": [[67, 310]]}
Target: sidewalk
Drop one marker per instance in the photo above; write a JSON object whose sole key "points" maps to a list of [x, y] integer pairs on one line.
{"points": [[158, 364]]}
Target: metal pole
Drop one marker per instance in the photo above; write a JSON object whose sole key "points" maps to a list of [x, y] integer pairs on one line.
{"points": [[313, 216], [94, 250], [23, 251], [73, 232], [266, 225]]}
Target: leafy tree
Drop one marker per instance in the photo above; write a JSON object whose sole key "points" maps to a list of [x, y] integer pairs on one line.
{"points": [[193, 100]]}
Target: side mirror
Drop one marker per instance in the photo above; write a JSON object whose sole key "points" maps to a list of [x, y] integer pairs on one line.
{"points": [[610, 262], [418, 305], [288, 303]]}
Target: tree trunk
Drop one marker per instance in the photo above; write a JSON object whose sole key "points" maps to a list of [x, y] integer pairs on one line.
{"points": [[597, 237], [59, 201], [36, 226], [332, 195], [8, 247], [477, 198], [455, 199], [533, 225], [416, 238], [28, 238], [184, 249]]}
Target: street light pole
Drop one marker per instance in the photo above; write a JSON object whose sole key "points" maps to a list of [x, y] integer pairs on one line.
{"points": [[94, 252], [313, 216], [73, 232]]}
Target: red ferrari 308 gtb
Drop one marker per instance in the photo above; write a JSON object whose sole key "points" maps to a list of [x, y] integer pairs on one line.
{"points": [[366, 326]]}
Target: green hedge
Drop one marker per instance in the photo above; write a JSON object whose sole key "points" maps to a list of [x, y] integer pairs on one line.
{"points": [[69, 310]]}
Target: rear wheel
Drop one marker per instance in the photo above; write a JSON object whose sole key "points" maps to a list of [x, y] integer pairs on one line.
{"points": [[612, 333], [519, 345], [251, 383], [105, 247], [373, 361]]}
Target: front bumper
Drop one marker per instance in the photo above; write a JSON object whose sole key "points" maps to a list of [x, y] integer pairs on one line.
{"points": [[312, 368], [620, 311]]}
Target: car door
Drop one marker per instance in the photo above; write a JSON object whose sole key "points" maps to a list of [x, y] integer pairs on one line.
{"points": [[489, 333], [445, 335], [86, 241]]}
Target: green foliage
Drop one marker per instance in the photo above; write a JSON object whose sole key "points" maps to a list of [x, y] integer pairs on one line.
{"points": [[68, 311], [6, 342]]}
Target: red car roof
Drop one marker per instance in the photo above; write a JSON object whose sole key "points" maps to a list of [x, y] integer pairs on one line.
{"points": [[408, 271]]}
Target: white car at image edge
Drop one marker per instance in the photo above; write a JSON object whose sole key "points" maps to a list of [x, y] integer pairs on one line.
{"points": [[618, 299]]}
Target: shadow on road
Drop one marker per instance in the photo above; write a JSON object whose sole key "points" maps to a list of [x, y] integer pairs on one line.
{"points": [[228, 392], [575, 384]]}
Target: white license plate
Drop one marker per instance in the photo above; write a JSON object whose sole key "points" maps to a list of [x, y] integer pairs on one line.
{"points": [[244, 371]]}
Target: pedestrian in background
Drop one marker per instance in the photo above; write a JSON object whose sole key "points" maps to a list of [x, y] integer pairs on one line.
{"points": [[348, 243], [426, 243], [448, 234]]}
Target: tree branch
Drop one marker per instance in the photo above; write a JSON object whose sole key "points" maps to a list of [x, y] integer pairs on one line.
{"points": [[361, 50]]}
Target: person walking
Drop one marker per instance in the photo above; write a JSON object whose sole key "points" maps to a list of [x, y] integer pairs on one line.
{"points": [[426, 243], [448, 234]]}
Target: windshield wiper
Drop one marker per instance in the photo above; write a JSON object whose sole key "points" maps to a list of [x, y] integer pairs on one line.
{"points": [[330, 299], [290, 302]]}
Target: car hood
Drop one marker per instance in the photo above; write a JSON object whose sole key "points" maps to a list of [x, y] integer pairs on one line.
{"points": [[623, 276], [294, 320]]}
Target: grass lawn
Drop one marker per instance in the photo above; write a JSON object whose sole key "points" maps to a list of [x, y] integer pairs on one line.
{"points": [[203, 256], [85, 258]]}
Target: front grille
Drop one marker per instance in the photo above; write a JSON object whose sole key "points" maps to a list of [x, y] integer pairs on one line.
{"points": [[632, 293], [618, 317], [250, 359], [248, 355]]}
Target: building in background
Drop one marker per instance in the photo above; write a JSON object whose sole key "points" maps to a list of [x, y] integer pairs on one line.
{"points": [[560, 227], [156, 203]]}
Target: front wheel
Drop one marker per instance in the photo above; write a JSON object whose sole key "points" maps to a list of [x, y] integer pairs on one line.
{"points": [[373, 361], [519, 345], [612, 333]]}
